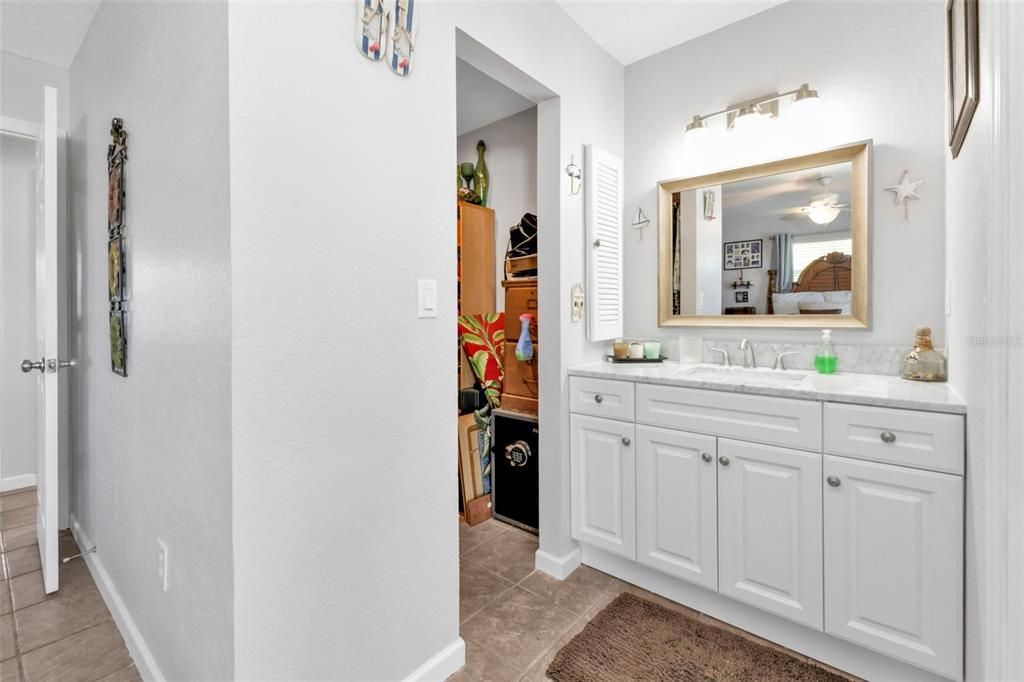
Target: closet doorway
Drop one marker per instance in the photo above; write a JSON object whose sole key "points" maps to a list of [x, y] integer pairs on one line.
{"points": [[498, 344]]}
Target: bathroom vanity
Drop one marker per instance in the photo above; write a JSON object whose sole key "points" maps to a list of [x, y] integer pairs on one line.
{"points": [[824, 513]]}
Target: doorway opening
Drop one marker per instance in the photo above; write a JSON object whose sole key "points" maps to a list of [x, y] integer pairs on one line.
{"points": [[507, 127]]}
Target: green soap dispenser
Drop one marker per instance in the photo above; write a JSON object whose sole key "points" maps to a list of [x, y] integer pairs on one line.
{"points": [[825, 360]]}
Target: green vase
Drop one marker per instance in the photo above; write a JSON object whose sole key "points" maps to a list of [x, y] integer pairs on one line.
{"points": [[482, 179]]}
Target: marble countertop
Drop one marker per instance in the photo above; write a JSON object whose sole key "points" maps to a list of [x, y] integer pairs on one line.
{"points": [[860, 389]]}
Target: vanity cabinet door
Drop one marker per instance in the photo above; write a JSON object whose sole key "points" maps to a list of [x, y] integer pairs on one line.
{"points": [[676, 504], [603, 474], [769, 529], [894, 561]]}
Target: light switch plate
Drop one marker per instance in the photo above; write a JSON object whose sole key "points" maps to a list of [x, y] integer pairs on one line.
{"points": [[427, 297], [577, 302]]}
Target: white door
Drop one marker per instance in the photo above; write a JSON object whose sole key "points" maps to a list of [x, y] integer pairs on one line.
{"points": [[769, 529], [48, 335], [676, 504], [894, 561], [603, 478]]}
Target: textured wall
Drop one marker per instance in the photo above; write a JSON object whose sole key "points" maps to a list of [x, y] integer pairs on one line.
{"points": [[879, 69], [342, 197], [152, 454]]}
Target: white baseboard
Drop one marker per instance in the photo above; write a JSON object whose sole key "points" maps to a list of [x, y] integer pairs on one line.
{"points": [[16, 482], [143, 657], [441, 665], [560, 567]]}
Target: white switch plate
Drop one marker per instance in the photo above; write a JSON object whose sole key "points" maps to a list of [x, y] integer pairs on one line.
{"points": [[427, 297], [577, 302]]}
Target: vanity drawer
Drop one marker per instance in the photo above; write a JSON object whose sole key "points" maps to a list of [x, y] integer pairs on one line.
{"points": [[760, 419], [601, 398], [925, 440]]}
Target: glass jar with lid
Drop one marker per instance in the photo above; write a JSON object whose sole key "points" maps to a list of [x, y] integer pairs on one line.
{"points": [[924, 363]]}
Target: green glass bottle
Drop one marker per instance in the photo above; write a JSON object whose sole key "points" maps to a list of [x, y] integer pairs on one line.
{"points": [[482, 178]]}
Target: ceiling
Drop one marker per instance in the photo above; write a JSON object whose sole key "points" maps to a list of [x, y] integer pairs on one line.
{"points": [[630, 31], [481, 100], [764, 200], [51, 31], [48, 31]]}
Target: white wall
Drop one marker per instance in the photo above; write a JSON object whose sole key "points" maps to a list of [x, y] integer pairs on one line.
{"points": [[17, 310], [21, 88], [879, 69], [152, 452], [986, 345], [353, 573], [512, 161]]}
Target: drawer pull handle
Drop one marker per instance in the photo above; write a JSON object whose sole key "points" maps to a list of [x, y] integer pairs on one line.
{"points": [[723, 460], [888, 437], [625, 441], [706, 457], [833, 481], [598, 398]]}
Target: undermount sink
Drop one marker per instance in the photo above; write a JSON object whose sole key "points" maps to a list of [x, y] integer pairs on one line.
{"points": [[744, 374]]}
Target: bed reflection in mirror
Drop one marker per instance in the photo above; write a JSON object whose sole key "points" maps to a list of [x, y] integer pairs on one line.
{"points": [[778, 244]]}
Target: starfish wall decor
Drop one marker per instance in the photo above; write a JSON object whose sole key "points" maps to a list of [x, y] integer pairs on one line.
{"points": [[904, 191]]}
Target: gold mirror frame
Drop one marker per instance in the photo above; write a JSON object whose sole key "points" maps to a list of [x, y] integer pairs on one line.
{"points": [[859, 154]]}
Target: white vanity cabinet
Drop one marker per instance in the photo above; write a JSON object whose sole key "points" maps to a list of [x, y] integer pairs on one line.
{"points": [[769, 529], [847, 519], [677, 504], [894, 561], [604, 484]]}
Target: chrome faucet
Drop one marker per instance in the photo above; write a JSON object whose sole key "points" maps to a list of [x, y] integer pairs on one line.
{"points": [[725, 356], [780, 359], [748, 354]]}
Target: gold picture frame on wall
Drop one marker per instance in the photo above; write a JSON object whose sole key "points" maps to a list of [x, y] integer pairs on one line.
{"points": [[858, 155], [962, 68]]}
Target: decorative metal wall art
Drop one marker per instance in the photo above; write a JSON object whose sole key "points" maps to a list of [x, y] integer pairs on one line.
{"points": [[117, 270]]}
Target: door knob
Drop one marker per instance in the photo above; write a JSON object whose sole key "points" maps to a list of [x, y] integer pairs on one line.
{"points": [[833, 481], [723, 460], [706, 457], [598, 398], [888, 437], [27, 366], [625, 441]]}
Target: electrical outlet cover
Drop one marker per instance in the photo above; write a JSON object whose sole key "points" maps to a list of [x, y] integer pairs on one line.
{"points": [[162, 563]]}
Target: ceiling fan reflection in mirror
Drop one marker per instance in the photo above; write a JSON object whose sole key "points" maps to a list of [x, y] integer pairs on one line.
{"points": [[823, 209]]}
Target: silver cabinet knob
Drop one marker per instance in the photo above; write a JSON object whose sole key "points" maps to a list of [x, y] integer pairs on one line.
{"points": [[625, 441], [833, 481], [888, 437], [597, 243], [27, 366], [706, 457], [598, 398], [723, 460]]}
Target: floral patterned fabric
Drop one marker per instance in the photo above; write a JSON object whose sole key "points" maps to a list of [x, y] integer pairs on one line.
{"points": [[483, 340]]}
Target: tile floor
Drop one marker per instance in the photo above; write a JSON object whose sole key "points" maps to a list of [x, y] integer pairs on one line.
{"points": [[67, 636], [515, 619]]}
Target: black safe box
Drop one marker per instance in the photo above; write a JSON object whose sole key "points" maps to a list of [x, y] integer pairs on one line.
{"points": [[514, 492]]}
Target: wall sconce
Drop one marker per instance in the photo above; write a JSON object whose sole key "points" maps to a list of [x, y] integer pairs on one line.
{"points": [[575, 174], [753, 112]]}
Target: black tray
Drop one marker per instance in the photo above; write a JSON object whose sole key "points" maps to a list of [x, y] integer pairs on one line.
{"points": [[626, 361]]}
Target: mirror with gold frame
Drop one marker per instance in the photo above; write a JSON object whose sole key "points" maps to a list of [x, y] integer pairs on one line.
{"points": [[780, 244]]}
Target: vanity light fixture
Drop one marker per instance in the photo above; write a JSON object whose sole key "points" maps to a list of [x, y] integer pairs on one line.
{"points": [[755, 111]]}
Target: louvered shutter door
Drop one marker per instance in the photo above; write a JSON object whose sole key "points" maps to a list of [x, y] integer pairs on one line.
{"points": [[603, 179]]}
